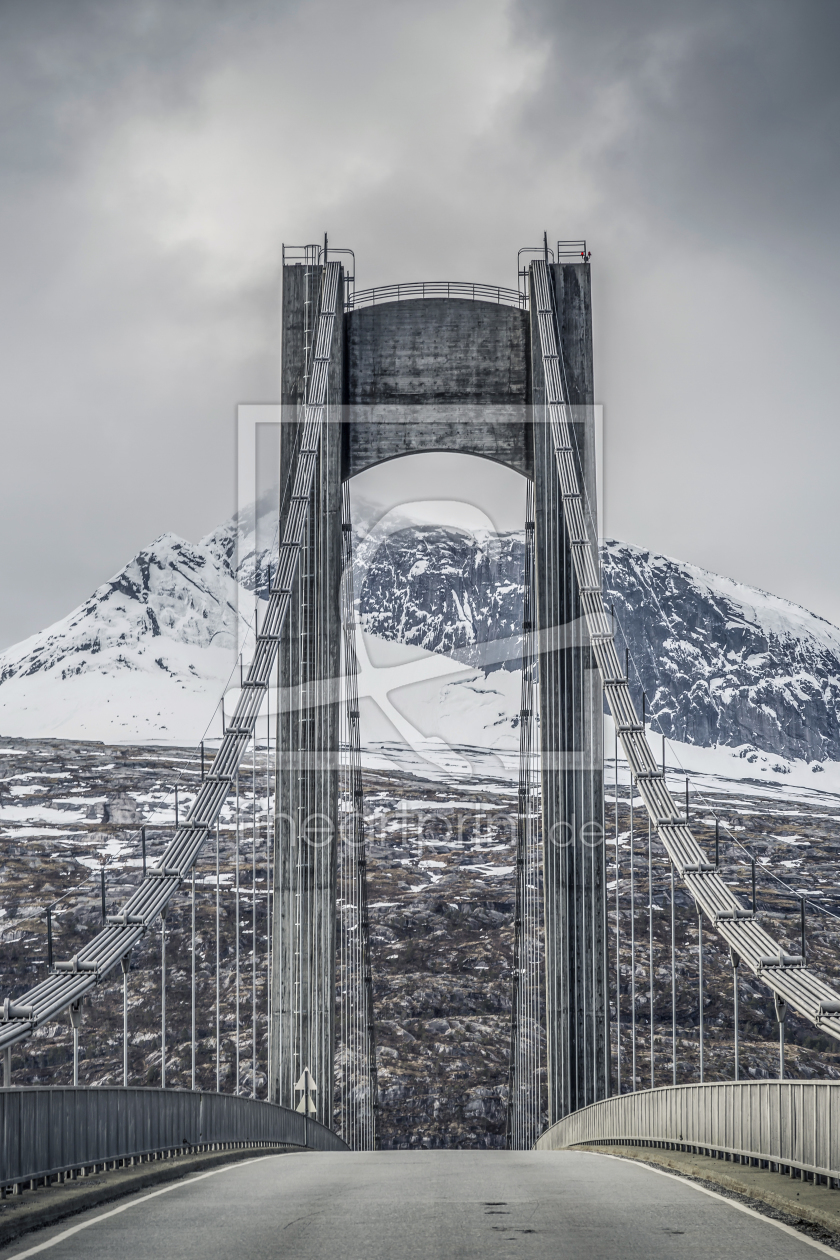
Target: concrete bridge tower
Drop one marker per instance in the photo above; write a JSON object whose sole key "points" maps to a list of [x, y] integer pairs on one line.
{"points": [[461, 372]]}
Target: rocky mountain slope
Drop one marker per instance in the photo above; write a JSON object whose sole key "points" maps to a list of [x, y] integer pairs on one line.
{"points": [[721, 662], [447, 591], [149, 655], [725, 663]]}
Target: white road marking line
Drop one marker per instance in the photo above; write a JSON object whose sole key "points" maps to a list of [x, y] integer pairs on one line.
{"points": [[742, 1207], [123, 1207]]}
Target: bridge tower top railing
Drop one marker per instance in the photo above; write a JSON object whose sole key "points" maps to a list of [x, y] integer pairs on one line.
{"points": [[315, 255], [417, 289], [572, 251]]}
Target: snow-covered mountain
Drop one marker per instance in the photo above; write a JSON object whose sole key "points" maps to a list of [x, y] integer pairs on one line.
{"points": [[725, 663], [721, 662], [149, 654], [139, 660], [445, 590]]}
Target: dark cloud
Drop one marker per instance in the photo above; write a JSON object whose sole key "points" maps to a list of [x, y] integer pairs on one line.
{"points": [[722, 117], [153, 156]]}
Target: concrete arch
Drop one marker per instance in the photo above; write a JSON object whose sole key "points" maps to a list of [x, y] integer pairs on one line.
{"points": [[381, 435], [437, 374], [425, 479]]}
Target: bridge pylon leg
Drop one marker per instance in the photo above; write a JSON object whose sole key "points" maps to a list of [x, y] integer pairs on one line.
{"points": [[306, 827], [571, 735]]}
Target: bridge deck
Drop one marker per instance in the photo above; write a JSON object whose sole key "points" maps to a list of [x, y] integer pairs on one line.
{"points": [[397, 1206]]}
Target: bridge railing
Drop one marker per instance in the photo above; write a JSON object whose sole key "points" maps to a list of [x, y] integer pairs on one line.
{"points": [[438, 289], [47, 1133], [790, 1125]]}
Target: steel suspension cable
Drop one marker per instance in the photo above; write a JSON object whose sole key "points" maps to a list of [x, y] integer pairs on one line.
{"points": [[254, 916], [788, 977], [524, 1111], [650, 942], [673, 981], [632, 936], [218, 964], [617, 937], [236, 930], [358, 1032], [71, 980]]}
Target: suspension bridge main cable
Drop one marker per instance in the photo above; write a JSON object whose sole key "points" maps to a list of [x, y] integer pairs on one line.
{"points": [[74, 978], [654, 722], [787, 976]]}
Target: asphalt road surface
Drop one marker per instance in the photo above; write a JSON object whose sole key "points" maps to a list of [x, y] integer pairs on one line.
{"points": [[457, 1205]]}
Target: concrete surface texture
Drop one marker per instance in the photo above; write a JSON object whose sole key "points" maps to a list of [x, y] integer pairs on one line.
{"points": [[460, 1205], [437, 374], [437, 350]]}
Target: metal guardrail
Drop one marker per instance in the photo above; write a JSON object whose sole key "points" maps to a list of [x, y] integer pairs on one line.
{"points": [[573, 251], [438, 289], [48, 1132], [794, 1125]]}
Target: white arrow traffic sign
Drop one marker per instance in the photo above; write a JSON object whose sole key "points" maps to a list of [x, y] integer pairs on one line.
{"points": [[306, 1086]]}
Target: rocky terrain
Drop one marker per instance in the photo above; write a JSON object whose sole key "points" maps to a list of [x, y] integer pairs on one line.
{"points": [[445, 590], [70, 814], [441, 894]]}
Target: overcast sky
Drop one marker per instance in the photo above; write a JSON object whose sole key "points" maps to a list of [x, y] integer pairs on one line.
{"points": [[155, 155]]}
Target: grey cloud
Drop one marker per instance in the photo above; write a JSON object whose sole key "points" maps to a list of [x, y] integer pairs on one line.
{"points": [[730, 112], [153, 156]]}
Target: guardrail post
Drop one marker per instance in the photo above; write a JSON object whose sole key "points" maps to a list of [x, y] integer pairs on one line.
{"points": [[75, 1021], [125, 963], [735, 959], [781, 1015], [163, 998]]}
